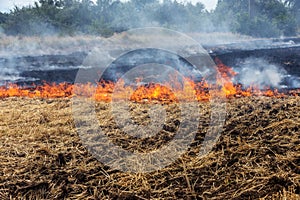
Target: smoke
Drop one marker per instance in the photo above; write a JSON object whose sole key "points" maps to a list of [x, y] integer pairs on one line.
{"points": [[2, 33], [150, 60], [292, 81], [259, 72], [42, 29], [8, 71]]}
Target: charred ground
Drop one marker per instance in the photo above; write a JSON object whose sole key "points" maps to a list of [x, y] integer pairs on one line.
{"points": [[63, 67]]}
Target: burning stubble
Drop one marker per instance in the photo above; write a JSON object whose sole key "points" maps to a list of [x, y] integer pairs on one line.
{"points": [[258, 85], [41, 151]]}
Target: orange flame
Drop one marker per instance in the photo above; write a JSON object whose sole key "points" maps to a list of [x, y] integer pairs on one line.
{"points": [[105, 91]]}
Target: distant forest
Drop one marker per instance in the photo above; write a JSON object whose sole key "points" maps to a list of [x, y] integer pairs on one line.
{"points": [[258, 18]]}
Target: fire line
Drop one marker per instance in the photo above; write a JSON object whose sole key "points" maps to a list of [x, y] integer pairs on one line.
{"points": [[103, 90]]}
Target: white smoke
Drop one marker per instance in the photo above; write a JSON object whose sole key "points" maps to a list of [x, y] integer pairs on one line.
{"points": [[260, 73]]}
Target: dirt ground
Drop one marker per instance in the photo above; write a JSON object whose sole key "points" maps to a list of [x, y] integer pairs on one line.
{"points": [[256, 157]]}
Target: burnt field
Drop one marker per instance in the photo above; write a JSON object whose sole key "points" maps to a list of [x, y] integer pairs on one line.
{"points": [[256, 156], [43, 155], [62, 66]]}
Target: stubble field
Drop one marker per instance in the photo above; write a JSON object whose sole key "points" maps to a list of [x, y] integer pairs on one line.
{"points": [[256, 157]]}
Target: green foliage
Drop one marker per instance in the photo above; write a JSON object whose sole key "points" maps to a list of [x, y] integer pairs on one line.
{"points": [[257, 27], [259, 18], [27, 22], [3, 18], [294, 8], [263, 18]]}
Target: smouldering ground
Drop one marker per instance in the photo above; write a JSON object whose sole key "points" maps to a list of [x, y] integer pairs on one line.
{"points": [[257, 156]]}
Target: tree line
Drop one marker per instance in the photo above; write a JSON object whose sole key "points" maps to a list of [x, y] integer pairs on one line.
{"points": [[259, 18]]}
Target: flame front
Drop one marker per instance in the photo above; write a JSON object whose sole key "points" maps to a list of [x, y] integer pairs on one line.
{"points": [[105, 91]]}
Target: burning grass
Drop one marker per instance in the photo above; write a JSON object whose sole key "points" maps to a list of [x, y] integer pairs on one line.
{"points": [[257, 155], [184, 90]]}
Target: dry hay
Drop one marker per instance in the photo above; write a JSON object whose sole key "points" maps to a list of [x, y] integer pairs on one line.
{"points": [[51, 45], [256, 157]]}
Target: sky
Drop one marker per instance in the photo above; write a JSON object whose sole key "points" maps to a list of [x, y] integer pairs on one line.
{"points": [[5, 5]]}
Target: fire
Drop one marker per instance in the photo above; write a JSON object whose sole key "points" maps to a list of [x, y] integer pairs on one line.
{"points": [[45, 91], [106, 91], [153, 92]]}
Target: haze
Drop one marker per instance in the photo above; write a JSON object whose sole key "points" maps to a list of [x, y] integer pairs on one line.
{"points": [[6, 6]]}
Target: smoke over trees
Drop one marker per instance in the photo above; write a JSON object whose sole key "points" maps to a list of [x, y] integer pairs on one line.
{"points": [[259, 18]]}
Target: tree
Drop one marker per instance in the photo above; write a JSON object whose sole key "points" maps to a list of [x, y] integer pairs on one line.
{"points": [[56, 3], [3, 18], [260, 18], [26, 21], [294, 6]]}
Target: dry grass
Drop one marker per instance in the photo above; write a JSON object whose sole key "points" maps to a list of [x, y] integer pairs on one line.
{"points": [[257, 156], [50, 45], [219, 38]]}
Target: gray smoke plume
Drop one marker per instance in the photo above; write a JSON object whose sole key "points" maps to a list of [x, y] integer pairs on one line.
{"points": [[259, 72]]}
